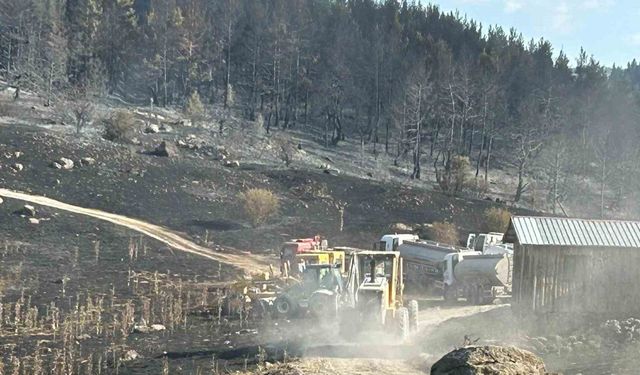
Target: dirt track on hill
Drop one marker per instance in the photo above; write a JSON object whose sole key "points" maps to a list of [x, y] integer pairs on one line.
{"points": [[248, 263]]}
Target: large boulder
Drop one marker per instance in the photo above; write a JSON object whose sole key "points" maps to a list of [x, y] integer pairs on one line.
{"points": [[489, 360], [166, 150]]}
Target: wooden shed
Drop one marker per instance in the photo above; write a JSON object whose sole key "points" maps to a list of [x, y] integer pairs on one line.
{"points": [[564, 265]]}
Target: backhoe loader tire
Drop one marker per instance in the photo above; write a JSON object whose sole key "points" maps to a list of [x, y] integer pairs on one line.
{"points": [[285, 308], [414, 315], [323, 306], [403, 323]]}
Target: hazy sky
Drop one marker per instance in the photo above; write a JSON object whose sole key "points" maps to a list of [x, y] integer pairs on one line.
{"points": [[607, 29]]}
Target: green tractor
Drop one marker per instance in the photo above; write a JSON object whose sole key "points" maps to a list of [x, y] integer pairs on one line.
{"points": [[318, 293]]}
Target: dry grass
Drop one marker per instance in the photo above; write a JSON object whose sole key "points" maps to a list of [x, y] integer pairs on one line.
{"points": [[60, 331], [259, 205], [119, 127], [444, 232], [496, 219]]}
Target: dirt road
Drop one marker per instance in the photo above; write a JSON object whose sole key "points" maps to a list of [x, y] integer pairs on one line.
{"points": [[404, 360], [246, 262], [431, 317]]}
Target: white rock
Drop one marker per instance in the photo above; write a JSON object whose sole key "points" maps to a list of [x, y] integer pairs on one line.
{"points": [[33, 220], [17, 167], [87, 161], [66, 163], [28, 210], [158, 327], [56, 165], [130, 355], [152, 129], [140, 328]]}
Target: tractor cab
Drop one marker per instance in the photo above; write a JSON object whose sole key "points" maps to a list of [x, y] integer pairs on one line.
{"points": [[322, 276], [317, 292], [374, 294], [379, 272]]}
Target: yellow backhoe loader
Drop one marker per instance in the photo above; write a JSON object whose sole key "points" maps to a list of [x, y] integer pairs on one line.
{"points": [[373, 296]]}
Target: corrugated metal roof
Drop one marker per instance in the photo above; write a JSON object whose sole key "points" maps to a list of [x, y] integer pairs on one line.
{"points": [[573, 232]]}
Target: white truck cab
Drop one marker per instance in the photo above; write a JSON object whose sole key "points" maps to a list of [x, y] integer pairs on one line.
{"points": [[390, 242], [479, 242]]}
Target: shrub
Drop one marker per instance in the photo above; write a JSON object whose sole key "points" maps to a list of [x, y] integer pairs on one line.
{"points": [[444, 232], [194, 108], [119, 126], [81, 112], [259, 205], [496, 219], [285, 148], [454, 177]]}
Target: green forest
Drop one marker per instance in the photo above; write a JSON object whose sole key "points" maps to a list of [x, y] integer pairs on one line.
{"points": [[404, 78]]}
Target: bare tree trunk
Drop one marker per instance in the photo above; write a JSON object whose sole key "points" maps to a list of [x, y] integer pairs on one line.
{"points": [[603, 184], [556, 177], [521, 184], [484, 138], [306, 108], [164, 71], [50, 82], [276, 82], [227, 80], [295, 89], [361, 149], [254, 82], [416, 150], [486, 164]]}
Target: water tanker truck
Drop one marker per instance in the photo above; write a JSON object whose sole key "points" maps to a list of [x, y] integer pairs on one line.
{"points": [[455, 272]]}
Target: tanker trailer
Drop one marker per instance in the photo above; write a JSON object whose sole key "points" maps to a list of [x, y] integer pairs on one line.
{"points": [[480, 278], [423, 262]]}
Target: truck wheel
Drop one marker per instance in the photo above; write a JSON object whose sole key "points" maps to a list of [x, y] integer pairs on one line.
{"points": [[403, 323], [284, 307], [475, 296], [449, 294], [481, 299], [414, 315]]}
